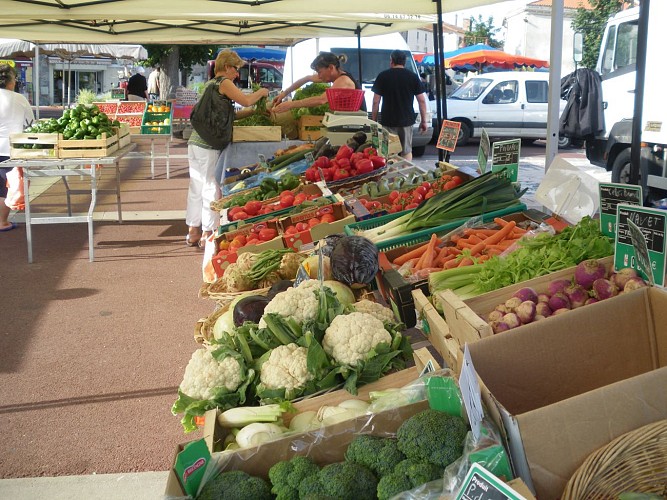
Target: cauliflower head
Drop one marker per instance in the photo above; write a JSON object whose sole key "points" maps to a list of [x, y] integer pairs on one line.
{"points": [[204, 373], [300, 303], [286, 368], [350, 337], [378, 310]]}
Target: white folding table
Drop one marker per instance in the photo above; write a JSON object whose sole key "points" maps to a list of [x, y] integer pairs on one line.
{"points": [[65, 167]]}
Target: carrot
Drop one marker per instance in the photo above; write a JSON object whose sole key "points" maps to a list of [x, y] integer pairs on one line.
{"points": [[493, 250], [483, 258], [519, 230], [465, 261], [417, 252], [475, 239], [500, 222], [429, 255], [454, 251], [463, 244], [441, 261], [450, 264], [500, 235], [485, 232], [455, 238]]}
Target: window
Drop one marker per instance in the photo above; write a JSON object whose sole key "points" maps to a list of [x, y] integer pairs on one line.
{"points": [[471, 89], [620, 50], [502, 93], [537, 91]]}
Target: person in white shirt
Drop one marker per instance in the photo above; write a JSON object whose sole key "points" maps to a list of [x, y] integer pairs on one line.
{"points": [[154, 83], [15, 114]]}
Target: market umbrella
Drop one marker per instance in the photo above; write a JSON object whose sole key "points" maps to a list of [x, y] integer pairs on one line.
{"points": [[482, 59], [428, 59]]}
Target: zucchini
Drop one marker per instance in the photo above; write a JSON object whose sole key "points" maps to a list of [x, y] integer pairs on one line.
{"points": [[360, 137], [291, 159]]}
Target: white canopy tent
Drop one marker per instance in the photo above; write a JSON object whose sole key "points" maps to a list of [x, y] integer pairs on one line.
{"points": [[10, 48]]}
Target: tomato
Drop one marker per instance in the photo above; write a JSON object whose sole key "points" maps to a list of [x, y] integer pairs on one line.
{"points": [[302, 226], [253, 241], [300, 198], [430, 194], [394, 195], [267, 234], [422, 190], [287, 200], [241, 237], [236, 244], [252, 207], [411, 206], [426, 184], [313, 222], [449, 185], [241, 215], [457, 179], [290, 230], [234, 210], [417, 197], [328, 218]]}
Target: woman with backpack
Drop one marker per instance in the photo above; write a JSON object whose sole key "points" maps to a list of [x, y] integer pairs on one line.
{"points": [[202, 157]]}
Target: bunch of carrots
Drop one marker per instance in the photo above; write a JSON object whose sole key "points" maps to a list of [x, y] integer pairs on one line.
{"points": [[472, 246]]}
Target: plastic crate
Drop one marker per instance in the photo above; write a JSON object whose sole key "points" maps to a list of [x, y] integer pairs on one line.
{"points": [[345, 99], [424, 234]]}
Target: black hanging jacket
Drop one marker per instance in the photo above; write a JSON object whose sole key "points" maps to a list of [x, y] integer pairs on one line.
{"points": [[583, 116]]}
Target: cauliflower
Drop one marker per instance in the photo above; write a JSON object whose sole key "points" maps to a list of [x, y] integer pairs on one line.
{"points": [[289, 265], [378, 310], [204, 374], [300, 303], [235, 279], [286, 368], [350, 337]]}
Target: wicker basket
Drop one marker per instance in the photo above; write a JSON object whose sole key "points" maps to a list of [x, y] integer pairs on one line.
{"points": [[345, 99], [213, 291], [633, 462]]}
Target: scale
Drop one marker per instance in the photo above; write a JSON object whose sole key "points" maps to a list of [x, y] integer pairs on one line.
{"points": [[339, 126]]}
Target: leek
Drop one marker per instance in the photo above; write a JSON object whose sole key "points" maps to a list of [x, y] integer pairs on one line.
{"points": [[487, 193]]}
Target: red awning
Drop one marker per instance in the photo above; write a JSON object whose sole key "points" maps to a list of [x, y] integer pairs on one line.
{"points": [[495, 58]]}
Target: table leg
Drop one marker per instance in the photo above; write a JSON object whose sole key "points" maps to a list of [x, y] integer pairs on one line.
{"points": [[69, 201], [91, 209], [167, 154], [120, 210], [152, 158], [28, 227]]}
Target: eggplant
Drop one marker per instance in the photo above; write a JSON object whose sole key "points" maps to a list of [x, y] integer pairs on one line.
{"points": [[279, 286], [250, 308]]}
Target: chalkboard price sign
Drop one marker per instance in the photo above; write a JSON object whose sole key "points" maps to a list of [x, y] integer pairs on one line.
{"points": [[480, 484], [506, 158], [484, 151], [118, 93], [651, 226], [449, 134], [610, 196]]}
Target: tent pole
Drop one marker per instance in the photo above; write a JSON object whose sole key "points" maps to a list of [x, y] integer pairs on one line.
{"points": [[358, 33], [442, 93], [35, 78], [555, 64]]}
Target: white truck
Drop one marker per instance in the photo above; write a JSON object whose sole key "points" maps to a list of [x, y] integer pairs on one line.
{"points": [[617, 65]]}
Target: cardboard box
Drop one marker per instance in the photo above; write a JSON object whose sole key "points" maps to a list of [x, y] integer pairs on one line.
{"points": [[562, 388], [310, 127], [315, 233], [467, 318], [257, 134]]}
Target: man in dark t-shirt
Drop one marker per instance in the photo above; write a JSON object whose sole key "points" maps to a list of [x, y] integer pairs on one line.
{"points": [[396, 87], [137, 87]]}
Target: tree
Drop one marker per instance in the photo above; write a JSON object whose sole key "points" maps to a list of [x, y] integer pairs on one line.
{"points": [[178, 58], [482, 32], [591, 23]]}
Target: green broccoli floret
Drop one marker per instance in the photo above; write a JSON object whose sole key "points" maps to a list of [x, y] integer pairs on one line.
{"points": [[287, 476], [235, 485], [432, 436], [391, 485], [419, 472], [380, 455], [341, 481]]}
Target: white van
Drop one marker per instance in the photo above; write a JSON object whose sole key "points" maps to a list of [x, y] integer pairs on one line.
{"points": [[375, 51], [510, 104]]}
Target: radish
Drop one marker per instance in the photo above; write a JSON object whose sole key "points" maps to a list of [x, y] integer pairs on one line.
{"points": [[588, 271]]}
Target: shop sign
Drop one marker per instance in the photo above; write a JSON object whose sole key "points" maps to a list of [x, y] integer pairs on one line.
{"points": [[449, 133], [640, 241], [611, 194], [480, 484], [483, 152], [506, 158]]}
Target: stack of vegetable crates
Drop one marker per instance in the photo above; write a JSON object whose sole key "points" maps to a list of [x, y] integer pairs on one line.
{"points": [[109, 108], [257, 134], [157, 119], [131, 112], [465, 317], [33, 145], [310, 127], [393, 287]]}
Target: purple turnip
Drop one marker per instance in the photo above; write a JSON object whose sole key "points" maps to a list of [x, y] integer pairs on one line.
{"points": [[543, 297], [558, 286], [634, 284], [604, 289], [622, 276], [526, 293], [526, 311], [588, 271], [591, 300], [500, 326], [502, 308], [513, 303], [539, 317], [512, 320], [560, 311], [495, 316], [559, 301], [577, 295], [542, 309]]}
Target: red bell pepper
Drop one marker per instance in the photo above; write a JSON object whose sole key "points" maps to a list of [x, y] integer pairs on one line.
{"points": [[344, 151], [364, 166]]}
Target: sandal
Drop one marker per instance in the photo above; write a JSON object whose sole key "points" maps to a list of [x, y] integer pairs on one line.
{"points": [[202, 241], [189, 242]]}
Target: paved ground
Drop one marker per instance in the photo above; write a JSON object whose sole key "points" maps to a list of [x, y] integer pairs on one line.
{"points": [[92, 353]]}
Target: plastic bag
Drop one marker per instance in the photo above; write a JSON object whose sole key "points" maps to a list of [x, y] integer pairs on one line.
{"points": [[15, 198]]}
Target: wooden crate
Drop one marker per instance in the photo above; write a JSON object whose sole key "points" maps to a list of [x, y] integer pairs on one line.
{"points": [[47, 145], [123, 135], [306, 133], [257, 134], [465, 318], [88, 148]]}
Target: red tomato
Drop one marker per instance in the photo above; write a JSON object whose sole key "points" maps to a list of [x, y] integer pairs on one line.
{"points": [[300, 198], [313, 222], [253, 241], [430, 194], [458, 180], [394, 195], [290, 230], [427, 185], [411, 206], [241, 237], [302, 226], [417, 197], [234, 210], [422, 190], [450, 185], [328, 218], [267, 234]]}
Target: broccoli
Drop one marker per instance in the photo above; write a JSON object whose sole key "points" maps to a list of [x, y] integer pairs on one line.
{"points": [[235, 485], [392, 484], [341, 481], [432, 436], [380, 455], [419, 472], [287, 476]]}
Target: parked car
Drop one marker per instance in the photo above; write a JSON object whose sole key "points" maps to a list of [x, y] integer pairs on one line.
{"points": [[511, 104]]}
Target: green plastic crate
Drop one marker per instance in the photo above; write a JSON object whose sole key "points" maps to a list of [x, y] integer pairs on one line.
{"points": [[424, 234]]}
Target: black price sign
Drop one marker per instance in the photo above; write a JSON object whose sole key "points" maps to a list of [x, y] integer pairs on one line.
{"points": [[480, 484], [610, 196], [118, 93]]}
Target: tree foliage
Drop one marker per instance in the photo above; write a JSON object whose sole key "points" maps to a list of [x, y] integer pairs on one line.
{"points": [[591, 24], [188, 55], [482, 32]]}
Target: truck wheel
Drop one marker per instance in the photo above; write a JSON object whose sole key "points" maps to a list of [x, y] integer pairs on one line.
{"points": [[620, 170], [564, 142], [464, 134]]}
